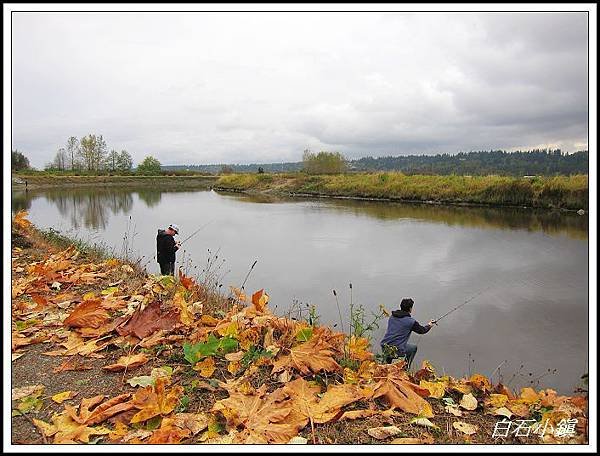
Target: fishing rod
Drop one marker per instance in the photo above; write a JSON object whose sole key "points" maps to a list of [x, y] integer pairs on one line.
{"points": [[248, 275], [461, 305], [196, 232]]}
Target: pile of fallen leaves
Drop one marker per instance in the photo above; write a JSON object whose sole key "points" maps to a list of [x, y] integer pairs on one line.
{"points": [[278, 380]]}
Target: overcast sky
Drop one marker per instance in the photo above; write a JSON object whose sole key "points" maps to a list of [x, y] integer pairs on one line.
{"points": [[261, 87]]}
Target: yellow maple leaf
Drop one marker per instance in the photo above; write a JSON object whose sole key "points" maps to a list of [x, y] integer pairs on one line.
{"points": [[206, 367]]}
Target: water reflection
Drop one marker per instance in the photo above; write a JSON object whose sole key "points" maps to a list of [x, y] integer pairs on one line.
{"points": [[92, 208], [549, 222]]}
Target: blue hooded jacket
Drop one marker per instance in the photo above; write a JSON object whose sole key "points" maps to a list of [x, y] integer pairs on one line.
{"points": [[400, 325]]}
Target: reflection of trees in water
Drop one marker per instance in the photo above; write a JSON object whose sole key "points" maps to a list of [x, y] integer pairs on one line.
{"points": [[150, 196], [90, 207], [21, 200], [550, 222]]}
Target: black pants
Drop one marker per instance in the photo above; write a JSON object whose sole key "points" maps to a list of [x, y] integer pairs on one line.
{"points": [[167, 268]]}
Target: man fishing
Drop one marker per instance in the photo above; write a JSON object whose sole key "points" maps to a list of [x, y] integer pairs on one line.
{"points": [[400, 325], [166, 246]]}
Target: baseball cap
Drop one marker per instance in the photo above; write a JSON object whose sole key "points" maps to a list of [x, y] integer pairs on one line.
{"points": [[174, 227]]}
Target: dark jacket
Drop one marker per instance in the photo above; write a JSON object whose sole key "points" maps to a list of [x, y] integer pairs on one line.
{"points": [[400, 325], [165, 247]]}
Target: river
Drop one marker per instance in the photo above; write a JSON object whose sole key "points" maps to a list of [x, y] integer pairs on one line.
{"points": [[528, 270]]}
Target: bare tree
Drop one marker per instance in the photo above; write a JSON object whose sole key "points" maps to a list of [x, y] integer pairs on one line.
{"points": [[60, 160], [73, 151]]}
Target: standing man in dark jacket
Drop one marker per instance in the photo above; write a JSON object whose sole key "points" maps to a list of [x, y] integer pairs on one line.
{"points": [[166, 246], [400, 326]]}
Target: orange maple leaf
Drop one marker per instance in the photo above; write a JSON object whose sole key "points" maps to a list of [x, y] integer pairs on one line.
{"points": [[156, 400], [88, 314]]}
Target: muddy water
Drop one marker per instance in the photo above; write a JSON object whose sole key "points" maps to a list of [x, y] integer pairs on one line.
{"points": [[532, 316]]}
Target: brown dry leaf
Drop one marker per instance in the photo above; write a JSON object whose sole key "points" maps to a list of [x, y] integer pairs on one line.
{"points": [[260, 300], [127, 362], [502, 411], [185, 315], [384, 432], [65, 395], [313, 356], [480, 382], [65, 430], [468, 402], [528, 396], [453, 409], [519, 409], [332, 401], [393, 385], [71, 365], [169, 432], [357, 414], [408, 441], [206, 367], [194, 422], [156, 400], [101, 412], [88, 314], [209, 320], [144, 322], [427, 372], [20, 393], [465, 428], [265, 418]]}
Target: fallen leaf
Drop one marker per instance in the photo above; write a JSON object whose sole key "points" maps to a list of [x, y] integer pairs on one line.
{"points": [[19, 393], [93, 411], [61, 397], [465, 428], [384, 432], [436, 389], [298, 440], [127, 362], [420, 421], [260, 300], [88, 314], [144, 322], [206, 367], [408, 441], [502, 411], [313, 356], [393, 385], [453, 409], [468, 402], [156, 400]]}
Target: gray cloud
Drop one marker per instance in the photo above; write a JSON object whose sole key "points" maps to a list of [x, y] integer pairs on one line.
{"points": [[229, 87]]}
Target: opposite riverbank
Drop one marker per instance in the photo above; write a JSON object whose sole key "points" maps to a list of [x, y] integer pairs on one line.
{"points": [[102, 352], [33, 181], [560, 192]]}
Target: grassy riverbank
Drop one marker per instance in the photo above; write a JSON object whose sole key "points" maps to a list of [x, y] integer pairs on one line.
{"points": [[104, 353], [49, 180], [567, 192]]}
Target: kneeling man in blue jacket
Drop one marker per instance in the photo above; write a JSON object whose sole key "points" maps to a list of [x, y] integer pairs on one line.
{"points": [[400, 326]]}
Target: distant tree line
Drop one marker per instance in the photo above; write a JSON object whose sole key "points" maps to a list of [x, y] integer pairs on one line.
{"points": [[539, 162], [18, 161], [90, 154], [545, 162]]}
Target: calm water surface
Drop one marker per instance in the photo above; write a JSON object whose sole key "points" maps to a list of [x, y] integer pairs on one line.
{"points": [[532, 266]]}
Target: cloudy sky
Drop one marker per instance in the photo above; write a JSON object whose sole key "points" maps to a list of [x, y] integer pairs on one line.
{"points": [[261, 87]]}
